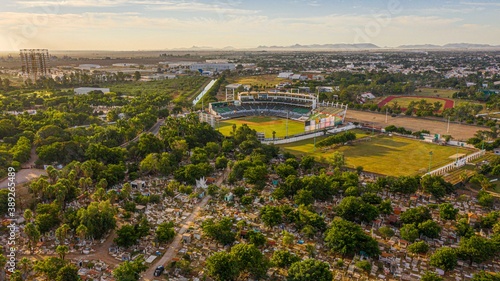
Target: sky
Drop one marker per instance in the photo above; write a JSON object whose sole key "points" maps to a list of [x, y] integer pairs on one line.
{"points": [[169, 24]]}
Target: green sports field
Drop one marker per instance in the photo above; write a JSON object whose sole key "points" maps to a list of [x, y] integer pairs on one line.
{"points": [[385, 155], [263, 124]]}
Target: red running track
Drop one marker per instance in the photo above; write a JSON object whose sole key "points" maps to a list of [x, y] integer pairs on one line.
{"points": [[447, 102]]}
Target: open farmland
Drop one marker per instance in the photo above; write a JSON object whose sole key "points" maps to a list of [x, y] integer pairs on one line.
{"points": [[268, 81], [264, 125], [395, 156]]}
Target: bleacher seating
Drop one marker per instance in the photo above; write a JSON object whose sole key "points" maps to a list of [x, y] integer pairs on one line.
{"points": [[263, 108]]}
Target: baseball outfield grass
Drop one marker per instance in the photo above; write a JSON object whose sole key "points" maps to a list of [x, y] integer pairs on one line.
{"points": [[395, 156]]}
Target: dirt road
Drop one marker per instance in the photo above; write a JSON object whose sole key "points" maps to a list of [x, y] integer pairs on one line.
{"points": [[24, 176], [176, 244], [457, 131]]}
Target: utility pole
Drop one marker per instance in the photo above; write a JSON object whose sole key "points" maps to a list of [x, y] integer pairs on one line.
{"points": [[386, 113], [448, 129]]}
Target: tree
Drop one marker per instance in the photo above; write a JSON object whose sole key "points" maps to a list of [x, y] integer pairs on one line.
{"points": [[165, 232], [310, 269], [419, 247], [62, 250], [416, 215], [26, 267], [126, 236], [49, 267], [337, 160], [431, 276], [288, 238], [307, 163], [486, 276], [81, 231], [283, 258], [221, 162], [447, 211], [220, 231], [385, 207], [284, 170], [444, 258], [485, 199], [476, 249], [347, 238], [436, 186], [33, 235], [271, 215], [304, 197], [62, 232], [429, 228], [130, 270], [68, 273], [464, 229], [409, 232], [3, 261], [222, 267], [355, 209], [137, 76], [256, 238], [249, 259], [364, 265], [386, 232]]}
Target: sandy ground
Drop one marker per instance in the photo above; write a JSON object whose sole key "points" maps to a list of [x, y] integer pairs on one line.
{"points": [[457, 131], [24, 176]]}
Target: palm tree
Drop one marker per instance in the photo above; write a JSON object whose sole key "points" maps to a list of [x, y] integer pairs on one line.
{"points": [[274, 135], [26, 267]]}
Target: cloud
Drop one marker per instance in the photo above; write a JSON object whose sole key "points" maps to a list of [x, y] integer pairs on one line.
{"points": [[71, 3], [217, 7]]}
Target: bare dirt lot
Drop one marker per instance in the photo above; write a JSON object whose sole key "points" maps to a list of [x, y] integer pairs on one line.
{"points": [[457, 131]]}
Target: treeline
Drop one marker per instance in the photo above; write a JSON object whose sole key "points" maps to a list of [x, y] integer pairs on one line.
{"points": [[336, 139]]}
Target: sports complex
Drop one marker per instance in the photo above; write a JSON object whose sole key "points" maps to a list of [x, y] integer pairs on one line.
{"points": [[296, 121], [286, 114]]}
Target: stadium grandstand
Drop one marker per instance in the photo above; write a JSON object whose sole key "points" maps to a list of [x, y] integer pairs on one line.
{"points": [[279, 104]]}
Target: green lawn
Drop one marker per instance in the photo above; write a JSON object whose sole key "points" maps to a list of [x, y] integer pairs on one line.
{"points": [[385, 155], [404, 102], [264, 125]]}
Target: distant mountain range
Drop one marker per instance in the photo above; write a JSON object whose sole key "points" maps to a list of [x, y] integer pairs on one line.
{"points": [[324, 46], [345, 46], [449, 46]]}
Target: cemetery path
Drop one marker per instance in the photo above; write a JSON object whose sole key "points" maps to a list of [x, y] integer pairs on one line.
{"points": [[177, 242]]}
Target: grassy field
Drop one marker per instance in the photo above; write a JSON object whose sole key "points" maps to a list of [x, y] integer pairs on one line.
{"points": [[431, 92], [385, 155], [404, 102], [264, 125], [268, 81]]}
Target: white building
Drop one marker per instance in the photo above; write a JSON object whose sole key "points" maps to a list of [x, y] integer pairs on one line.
{"points": [[285, 75], [217, 67]]}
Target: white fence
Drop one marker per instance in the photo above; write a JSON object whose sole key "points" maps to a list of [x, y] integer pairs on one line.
{"points": [[205, 91], [457, 164], [310, 136]]}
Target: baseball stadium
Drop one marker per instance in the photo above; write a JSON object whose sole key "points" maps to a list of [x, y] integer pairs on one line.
{"points": [[276, 115]]}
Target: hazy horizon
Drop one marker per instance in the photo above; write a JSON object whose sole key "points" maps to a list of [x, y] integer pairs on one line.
{"points": [[155, 25]]}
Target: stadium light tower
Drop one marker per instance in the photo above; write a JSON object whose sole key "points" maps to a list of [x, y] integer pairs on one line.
{"points": [[287, 123], [34, 63], [430, 160]]}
